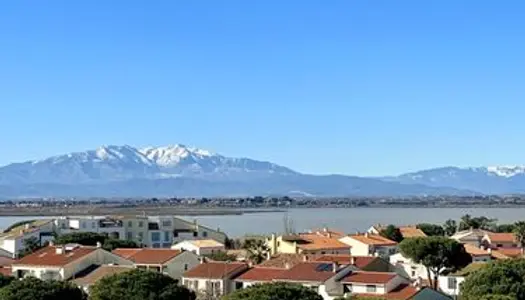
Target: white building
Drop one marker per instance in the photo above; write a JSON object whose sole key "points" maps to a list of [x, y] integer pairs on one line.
{"points": [[12, 242], [213, 279], [451, 284], [167, 261], [63, 262], [407, 268], [368, 244], [200, 247]]}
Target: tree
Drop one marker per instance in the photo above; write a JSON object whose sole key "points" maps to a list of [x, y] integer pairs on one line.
{"points": [[139, 285], [499, 280], [31, 245], [111, 244], [438, 254], [467, 222], [275, 291], [35, 289], [505, 228], [5, 280], [82, 238], [221, 256], [431, 229], [393, 233], [519, 232], [257, 250], [450, 227]]}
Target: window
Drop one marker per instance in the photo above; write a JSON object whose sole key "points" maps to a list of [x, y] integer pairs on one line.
{"points": [[130, 223], [452, 283], [141, 224], [129, 235], [175, 234], [186, 267], [204, 234], [83, 224], [92, 224], [156, 245], [166, 223], [141, 236], [166, 236], [238, 285], [347, 288], [371, 289], [155, 236], [195, 234]]}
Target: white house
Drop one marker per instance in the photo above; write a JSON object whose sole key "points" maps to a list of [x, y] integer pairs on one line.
{"points": [[407, 268], [63, 262], [369, 244], [200, 247], [451, 284], [12, 242], [170, 262], [257, 275], [470, 236], [213, 279]]}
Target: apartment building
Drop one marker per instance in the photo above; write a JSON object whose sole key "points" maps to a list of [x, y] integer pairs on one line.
{"points": [[12, 242], [312, 243]]}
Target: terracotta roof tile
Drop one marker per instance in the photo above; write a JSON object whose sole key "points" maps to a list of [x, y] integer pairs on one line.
{"points": [[475, 251], [205, 243], [411, 231], [501, 237], [373, 239], [283, 260], [260, 274], [368, 277], [507, 252], [308, 272], [402, 292], [6, 271], [100, 273], [216, 270], [148, 256], [358, 261], [48, 257], [321, 242]]}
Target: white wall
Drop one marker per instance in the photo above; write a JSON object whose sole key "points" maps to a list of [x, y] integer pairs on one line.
{"points": [[452, 291], [357, 248], [407, 268], [176, 267]]}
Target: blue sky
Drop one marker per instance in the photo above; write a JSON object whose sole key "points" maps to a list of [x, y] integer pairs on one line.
{"points": [[352, 87]]}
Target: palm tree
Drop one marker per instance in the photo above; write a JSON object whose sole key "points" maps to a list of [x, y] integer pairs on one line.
{"points": [[519, 232], [257, 250]]}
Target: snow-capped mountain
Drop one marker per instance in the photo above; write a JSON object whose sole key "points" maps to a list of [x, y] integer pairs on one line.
{"points": [[179, 170], [488, 180], [116, 163]]}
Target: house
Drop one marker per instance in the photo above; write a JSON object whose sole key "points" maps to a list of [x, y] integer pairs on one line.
{"points": [[368, 244], [85, 281], [450, 284], [363, 263], [155, 232], [170, 262], [478, 254], [213, 279], [12, 242], [470, 236], [63, 262], [5, 265], [257, 275], [410, 231], [507, 253], [200, 247], [499, 240], [371, 283], [307, 243], [407, 268]]}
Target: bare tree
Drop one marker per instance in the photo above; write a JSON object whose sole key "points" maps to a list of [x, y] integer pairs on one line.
{"points": [[289, 226]]}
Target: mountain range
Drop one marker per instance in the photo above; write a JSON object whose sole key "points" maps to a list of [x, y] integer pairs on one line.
{"points": [[179, 170]]}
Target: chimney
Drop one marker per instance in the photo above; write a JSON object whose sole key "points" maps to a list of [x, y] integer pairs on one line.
{"points": [[250, 264], [305, 257], [352, 261], [325, 229], [51, 243], [489, 250], [287, 266], [418, 283], [268, 255], [99, 245], [202, 260], [26, 226], [335, 267], [59, 250], [367, 234]]}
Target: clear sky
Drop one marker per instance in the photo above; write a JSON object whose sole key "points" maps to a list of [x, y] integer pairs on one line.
{"points": [[352, 87]]}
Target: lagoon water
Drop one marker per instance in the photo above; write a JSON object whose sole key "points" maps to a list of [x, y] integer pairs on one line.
{"points": [[348, 220]]}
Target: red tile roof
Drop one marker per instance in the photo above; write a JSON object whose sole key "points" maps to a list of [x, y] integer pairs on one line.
{"points": [[501, 237], [48, 257], [507, 252], [341, 259], [308, 272], [216, 270], [285, 260], [402, 292], [260, 274], [148, 256], [6, 271], [475, 251], [373, 239], [368, 277]]}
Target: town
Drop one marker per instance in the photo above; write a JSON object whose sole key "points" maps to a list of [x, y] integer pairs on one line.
{"points": [[423, 261]]}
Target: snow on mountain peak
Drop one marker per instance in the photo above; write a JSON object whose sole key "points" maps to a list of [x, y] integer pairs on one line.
{"points": [[172, 155], [506, 171]]}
